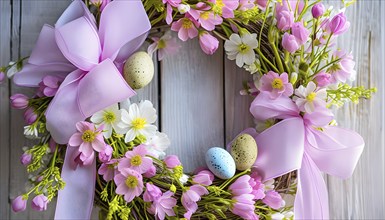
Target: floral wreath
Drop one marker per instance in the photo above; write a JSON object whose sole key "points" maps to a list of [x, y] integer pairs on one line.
{"points": [[85, 123]]}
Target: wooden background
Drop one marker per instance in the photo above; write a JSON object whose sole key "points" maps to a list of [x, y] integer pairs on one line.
{"points": [[199, 105]]}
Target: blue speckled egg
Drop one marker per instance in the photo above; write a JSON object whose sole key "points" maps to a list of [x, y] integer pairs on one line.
{"points": [[220, 163]]}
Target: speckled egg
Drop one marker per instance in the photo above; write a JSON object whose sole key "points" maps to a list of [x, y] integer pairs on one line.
{"points": [[139, 70], [244, 151], [220, 163]]}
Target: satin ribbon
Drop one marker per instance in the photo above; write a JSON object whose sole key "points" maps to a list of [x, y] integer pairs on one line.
{"points": [[296, 143], [88, 57]]}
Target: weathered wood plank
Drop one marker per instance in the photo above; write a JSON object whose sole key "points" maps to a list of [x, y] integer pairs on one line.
{"points": [[192, 103], [362, 196], [236, 107], [5, 39]]}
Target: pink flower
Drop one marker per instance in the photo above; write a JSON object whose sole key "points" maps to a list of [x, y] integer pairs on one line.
{"points": [[293, 5], [19, 101], [258, 188], [243, 206], [2, 77], [276, 85], [151, 172], [338, 24], [206, 18], [245, 5], [208, 43], [49, 86], [344, 69], [26, 159], [273, 199], [39, 203], [19, 204], [52, 144], [204, 177], [30, 116], [225, 7], [106, 154], [285, 20], [241, 186], [166, 45], [186, 27], [163, 205], [289, 43], [172, 161], [136, 160], [170, 4], [262, 4], [108, 170], [322, 79], [152, 193], [129, 183], [318, 10], [192, 196], [300, 32], [88, 139], [309, 98]]}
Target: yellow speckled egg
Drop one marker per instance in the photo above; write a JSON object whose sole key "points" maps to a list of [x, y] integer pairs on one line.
{"points": [[244, 151], [139, 70]]}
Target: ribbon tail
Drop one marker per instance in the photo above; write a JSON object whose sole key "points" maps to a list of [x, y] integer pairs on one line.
{"points": [[76, 200], [311, 201]]}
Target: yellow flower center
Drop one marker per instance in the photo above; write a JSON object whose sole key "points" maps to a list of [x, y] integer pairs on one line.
{"points": [[138, 123], [161, 44], [186, 23], [109, 117], [136, 160], [217, 8], [311, 97], [205, 15], [131, 182], [277, 83], [88, 136], [243, 48]]}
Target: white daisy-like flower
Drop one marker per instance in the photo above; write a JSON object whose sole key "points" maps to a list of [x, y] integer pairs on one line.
{"points": [[31, 132], [184, 179], [158, 144], [109, 118], [125, 104], [138, 121], [241, 48], [307, 99]]}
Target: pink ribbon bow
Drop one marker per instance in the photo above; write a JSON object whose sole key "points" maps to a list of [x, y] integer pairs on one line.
{"points": [[295, 143], [88, 57]]}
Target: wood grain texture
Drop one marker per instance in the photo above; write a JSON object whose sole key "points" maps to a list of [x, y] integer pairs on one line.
{"points": [[5, 39], [192, 103]]}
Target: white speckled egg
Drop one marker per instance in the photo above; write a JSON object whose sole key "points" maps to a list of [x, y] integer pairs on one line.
{"points": [[139, 70], [220, 163], [244, 151]]}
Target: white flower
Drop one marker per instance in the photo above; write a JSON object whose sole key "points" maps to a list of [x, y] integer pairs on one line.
{"points": [[277, 216], [307, 99], [269, 185], [184, 179], [138, 121], [252, 68], [31, 132], [158, 144], [125, 104], [109, 118], [183, 8], [242, 48], [12, 70]]}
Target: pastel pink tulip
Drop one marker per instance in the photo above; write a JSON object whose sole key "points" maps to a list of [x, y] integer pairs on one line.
{"points": [[106, 154], [39, 203], [338, 24], [151, 172], [30, 116], [204, 177], [318, 10], [300, 32], [322, 79], [289, 43], [19, 101], [273, 199], [208, 43], [19, 204], [283, 6], [244, 206], [241, 186], [186, 28], [26, 159], [259, 187], [172, 161], [152, 193], [285, 20]]}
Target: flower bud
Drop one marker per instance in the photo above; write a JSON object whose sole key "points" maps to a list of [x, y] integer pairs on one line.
{"points": [[30, 116], [39, 203], [338, 24], [151, 172], [26, 159], [2, 77], [322, 79], [300, 32], [289, 43], [182, 8], [19, 204], [19, 101], [285, 20], [106, 154], [208, 43], [172, 161], [318, 10], [293, 77]]}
